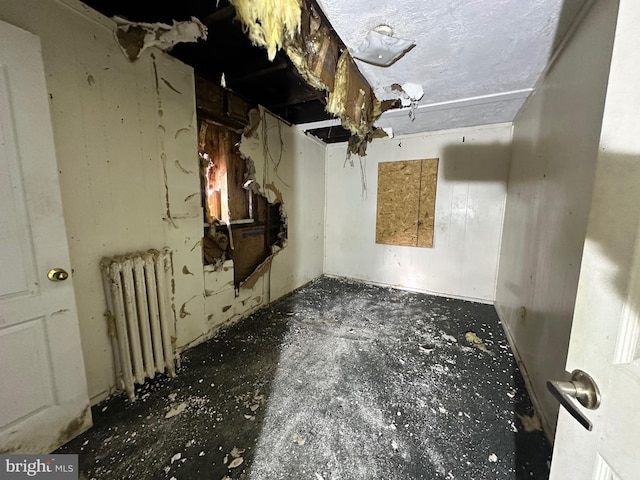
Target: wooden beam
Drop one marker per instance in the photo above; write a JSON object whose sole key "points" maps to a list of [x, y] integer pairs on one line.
{"points": [[247, 77], [223, 14]]}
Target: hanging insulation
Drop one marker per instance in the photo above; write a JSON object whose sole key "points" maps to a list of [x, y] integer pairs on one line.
{"points": [[337, 97], [314, 49], [269, 23]]}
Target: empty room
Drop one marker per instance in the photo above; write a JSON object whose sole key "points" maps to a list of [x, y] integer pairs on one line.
{"points": [[315, 239]]}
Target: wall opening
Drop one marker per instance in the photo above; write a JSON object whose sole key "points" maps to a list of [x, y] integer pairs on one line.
{"points": [[240, 224]]}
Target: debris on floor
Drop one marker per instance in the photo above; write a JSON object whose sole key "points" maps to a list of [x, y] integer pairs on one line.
{"points": [[474, 340], [338, 380]]}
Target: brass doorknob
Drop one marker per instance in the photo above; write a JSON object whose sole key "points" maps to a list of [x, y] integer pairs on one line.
{"points": [[57, 275]]}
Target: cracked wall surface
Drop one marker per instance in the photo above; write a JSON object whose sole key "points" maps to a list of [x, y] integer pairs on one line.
{"points": [[126, 144]]}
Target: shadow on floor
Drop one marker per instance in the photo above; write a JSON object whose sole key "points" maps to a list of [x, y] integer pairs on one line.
{"points": [[339, 380]]}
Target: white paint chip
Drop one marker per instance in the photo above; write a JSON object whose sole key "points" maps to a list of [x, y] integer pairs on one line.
{"points": [[135, 37], [176, 410]]}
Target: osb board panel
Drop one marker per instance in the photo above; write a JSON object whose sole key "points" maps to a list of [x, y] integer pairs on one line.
{"points": [[426, 213], [398, 203], [406, 202]]}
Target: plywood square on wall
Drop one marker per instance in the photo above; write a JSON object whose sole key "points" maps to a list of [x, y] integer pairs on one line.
{"points": [[406, 202]]}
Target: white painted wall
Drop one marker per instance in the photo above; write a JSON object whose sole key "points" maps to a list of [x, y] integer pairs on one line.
{"points": [[300, 178], [470, 199], [126, 144], [116, 133], [555, 147]]}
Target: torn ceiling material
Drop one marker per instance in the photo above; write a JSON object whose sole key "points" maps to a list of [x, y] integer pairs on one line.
{"points": [[298, 27], [135, 37]]}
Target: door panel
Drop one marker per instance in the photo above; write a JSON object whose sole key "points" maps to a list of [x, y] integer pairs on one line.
{"points": [[606, 324], [43, 393]]}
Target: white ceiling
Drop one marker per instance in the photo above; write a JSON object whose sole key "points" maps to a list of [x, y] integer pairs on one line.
{"points": [[476, 60]]}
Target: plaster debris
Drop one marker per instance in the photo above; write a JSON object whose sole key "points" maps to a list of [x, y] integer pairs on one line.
{"points": [[236, 452], [449, 338], [176, 457], [409, 94], [323, 365], [299, 440], [236, 463], [473, 339], [530, 423], [493, 458], [135, 37], [388, 131], [427, 348], [177, 410]]}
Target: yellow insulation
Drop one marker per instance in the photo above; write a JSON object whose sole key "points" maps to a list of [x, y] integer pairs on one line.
{"points": [[301, 62], [269, 23], [337, 97]]}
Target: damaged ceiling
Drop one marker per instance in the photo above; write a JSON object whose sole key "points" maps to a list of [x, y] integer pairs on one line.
{"points": [[475, 61]]}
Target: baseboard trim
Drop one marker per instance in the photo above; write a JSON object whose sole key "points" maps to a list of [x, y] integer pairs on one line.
{"points": [[546, 426]]}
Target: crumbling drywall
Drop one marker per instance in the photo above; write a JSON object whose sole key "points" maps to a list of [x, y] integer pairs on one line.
{"points": [[313, 47], [135, 37]]}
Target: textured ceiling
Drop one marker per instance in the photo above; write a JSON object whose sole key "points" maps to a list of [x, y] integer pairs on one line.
{"points": [[476, 60]]}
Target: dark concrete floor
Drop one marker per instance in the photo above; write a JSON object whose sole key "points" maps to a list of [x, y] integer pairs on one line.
{"points": [[339, 380]]}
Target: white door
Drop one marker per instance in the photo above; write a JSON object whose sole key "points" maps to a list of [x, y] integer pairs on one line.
{"points": [[606, 324], [43, 392]]}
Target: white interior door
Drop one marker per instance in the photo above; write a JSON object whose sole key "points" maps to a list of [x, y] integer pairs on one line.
{"points": [[43, 392], [606, 324]]}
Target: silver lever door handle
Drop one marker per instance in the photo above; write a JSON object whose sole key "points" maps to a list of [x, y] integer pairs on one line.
{"points": [[580, 389]]}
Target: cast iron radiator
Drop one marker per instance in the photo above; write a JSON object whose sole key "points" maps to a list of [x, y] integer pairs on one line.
{"points": [[137, 296]]}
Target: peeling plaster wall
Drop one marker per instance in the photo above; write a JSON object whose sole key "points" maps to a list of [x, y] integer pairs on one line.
{"points": [[118, 134], [555, 147], [126, 145], [470, 199], [298, 178]]}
